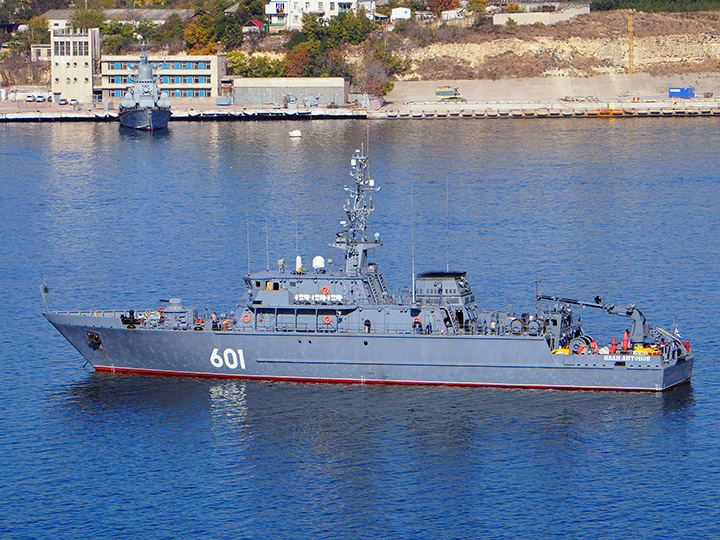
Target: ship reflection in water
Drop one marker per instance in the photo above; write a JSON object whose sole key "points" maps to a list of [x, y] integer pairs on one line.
{"points": [[333, 418]]}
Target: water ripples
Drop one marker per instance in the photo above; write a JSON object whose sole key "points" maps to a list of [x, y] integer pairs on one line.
{"points": [[627, 210]]}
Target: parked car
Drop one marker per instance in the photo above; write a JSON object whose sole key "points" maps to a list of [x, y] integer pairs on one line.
{"points": [[30, 99], [62, 101], [40, 99], [73, 101]]}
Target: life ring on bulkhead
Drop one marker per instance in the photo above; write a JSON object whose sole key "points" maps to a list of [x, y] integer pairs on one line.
{"points": [[325, 290], [199, 321], [417, 320], [247, 318], [327, 319]]}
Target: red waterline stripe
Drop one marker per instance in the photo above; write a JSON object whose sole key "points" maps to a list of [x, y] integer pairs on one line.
{"points": [[111, 369]]}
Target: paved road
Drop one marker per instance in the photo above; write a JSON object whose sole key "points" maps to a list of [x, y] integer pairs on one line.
{"points": [[543, 89]]}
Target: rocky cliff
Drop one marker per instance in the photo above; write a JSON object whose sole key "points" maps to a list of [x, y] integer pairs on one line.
{"points": [[594, 44]]}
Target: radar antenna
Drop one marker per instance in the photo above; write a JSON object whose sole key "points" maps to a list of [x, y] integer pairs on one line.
{"points": [[358, 207]]}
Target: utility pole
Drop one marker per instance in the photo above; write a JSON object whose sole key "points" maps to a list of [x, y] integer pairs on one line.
{"points": [[631, 42]]}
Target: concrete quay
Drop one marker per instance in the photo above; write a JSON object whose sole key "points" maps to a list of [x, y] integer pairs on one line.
{"points": [[558, 109], [421, 110], [18, 113]]}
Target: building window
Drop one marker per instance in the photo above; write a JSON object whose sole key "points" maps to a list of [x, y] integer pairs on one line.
{"points": [[178, 80], [118, 93], [189, 93], [57, 49], [75, 48], [165, 65], [332, 6], [201, 65], [166, 80], [177, 65], [118, 80], [117, 65], [201, 93], [320, 6], [178, 93], [201, 80], [307, 6]]}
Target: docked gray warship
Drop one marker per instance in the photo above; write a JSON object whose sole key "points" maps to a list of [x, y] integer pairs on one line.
{"points": [[328, 324], [144, 106]]}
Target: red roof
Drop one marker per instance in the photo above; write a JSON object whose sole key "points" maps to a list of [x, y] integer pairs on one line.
{"points": [[255, 22]]}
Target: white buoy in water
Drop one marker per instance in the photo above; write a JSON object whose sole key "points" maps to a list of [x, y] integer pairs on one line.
{"points": [[295, 133]]}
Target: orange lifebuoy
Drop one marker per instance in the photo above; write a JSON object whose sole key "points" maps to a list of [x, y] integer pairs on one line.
{"points": [[247, 318], [325, 290], [327, 319], [417, 320], [199, 321]]}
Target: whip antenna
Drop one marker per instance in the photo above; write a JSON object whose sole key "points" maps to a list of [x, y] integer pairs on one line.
{"points": [[412, 238], [247, 234], [447, 224], [267, 245]]}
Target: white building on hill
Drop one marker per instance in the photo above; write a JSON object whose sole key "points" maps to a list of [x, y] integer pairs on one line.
{"points": [[288, 14]]}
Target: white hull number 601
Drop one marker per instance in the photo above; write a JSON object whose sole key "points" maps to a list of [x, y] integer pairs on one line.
{"points": [[230, 358]]}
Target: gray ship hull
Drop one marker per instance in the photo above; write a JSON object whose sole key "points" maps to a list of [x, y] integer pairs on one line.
{"points": [[477, 360], [145, 119]]}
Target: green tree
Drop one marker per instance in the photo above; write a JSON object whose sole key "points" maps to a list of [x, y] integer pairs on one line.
{"points": [[228, 30], [257, 10], [87, 18], [117, 36], [314, 28], [350, 27], [148, 32], [254, 66], [478, 6], [173, 29]]}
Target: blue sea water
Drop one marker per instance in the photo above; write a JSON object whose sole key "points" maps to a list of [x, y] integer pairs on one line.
{"points": [[626, 209]]}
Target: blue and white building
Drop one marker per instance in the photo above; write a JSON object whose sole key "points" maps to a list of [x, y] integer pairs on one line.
{"points": [[189, 77]]}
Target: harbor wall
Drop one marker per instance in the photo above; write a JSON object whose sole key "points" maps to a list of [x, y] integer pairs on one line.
{"points": [[604, 96]]}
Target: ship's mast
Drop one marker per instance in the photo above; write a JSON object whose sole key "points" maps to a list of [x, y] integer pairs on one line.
{"points": [[358, 207]]}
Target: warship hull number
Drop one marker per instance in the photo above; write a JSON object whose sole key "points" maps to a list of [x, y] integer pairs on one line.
{"points": [[230, 357]]}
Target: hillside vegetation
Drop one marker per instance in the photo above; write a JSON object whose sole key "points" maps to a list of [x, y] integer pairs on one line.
{"points": [[373, 56]]}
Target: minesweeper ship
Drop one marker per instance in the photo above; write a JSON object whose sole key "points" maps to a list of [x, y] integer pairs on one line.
{"points": [[342, 324], [145, 106]]}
